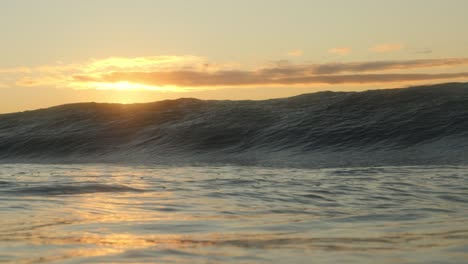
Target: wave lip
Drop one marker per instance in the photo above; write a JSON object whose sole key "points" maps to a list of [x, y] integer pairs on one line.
{"points": [[410, 126]]}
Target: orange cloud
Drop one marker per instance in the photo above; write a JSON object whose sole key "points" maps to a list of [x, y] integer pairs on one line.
{"points": [[340, 51], [39, 81], [246, 78], [183, 73], [387, 48], [60, 75]]}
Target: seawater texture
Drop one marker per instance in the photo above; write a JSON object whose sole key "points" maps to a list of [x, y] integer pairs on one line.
{"points": [[232, 214], [370, 177], [413, 126]]}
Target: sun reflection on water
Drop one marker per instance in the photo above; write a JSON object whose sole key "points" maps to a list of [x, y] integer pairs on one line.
{"points": [[190, 215]]}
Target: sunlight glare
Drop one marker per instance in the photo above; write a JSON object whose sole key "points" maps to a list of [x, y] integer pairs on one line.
{"points": [[126, 86]]}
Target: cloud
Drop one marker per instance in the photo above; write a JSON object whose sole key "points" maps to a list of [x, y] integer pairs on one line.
{"points": [[60, 74], [387, 48], [247, 78], [39, 81], [332, 68], [183, 73], [340, 51], [284, 73], [296, 53]]}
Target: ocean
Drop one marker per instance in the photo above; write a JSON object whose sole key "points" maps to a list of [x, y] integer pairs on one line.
{"points": [[100, 213], [348, 177]]}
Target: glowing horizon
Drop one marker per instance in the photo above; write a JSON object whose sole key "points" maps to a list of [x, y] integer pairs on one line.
{"points": [[115, 51]]}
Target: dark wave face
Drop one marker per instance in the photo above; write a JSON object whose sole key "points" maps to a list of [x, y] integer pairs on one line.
{"points": [[419, 125]]}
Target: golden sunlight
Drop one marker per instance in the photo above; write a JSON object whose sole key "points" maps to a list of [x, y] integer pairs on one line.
{"points": [[125, 86], [93, 69], [140, 63], [122, 86]]}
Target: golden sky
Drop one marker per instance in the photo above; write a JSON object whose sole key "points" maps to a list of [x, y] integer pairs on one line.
{"points": [[63, 51]]}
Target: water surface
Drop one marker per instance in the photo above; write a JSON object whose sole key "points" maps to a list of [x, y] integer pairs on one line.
{"points": [[127, 214]]}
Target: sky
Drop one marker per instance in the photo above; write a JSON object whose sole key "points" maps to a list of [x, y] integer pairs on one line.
{"points": [[124, 51]]}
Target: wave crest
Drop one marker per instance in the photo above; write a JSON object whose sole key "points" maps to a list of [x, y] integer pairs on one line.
{"points": [[405, 126]]}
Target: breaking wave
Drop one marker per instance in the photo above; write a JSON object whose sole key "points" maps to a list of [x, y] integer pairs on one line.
{"points": [[417, 125]]}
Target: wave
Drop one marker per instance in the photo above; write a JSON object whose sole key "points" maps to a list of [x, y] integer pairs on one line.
{"points": [[417, 125]]}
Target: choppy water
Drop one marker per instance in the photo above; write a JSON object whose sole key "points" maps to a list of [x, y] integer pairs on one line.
{"points": [[119, 214]]}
